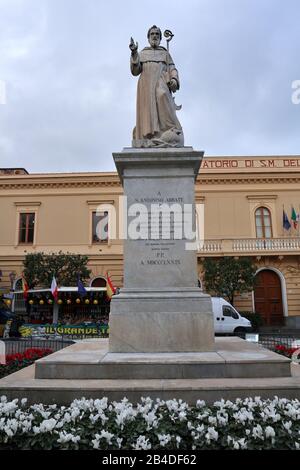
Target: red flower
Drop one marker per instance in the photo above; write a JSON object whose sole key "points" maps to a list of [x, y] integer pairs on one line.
{"points": [[291, 351], [30, 354], [280, 347]]}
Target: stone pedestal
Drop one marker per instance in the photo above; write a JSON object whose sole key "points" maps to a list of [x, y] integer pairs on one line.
{"points": [[160, 308]]}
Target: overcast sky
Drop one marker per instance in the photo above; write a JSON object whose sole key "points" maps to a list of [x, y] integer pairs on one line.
{"points": [[70, 97]]}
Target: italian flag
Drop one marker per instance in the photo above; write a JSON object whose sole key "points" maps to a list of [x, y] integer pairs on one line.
{"points": [[54, 289], [295, 218], [110, 288]]}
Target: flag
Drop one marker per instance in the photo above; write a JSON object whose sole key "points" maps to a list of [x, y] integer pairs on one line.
{"points": [[25, 288], [285, 221], [54, 289], [110, 288], [294, 218], [81, 289]]}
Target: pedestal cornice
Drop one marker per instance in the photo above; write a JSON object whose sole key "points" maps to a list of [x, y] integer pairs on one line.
{"points": [[139, 158]]}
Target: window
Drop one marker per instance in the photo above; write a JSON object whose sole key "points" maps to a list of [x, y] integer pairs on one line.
{"points": [[98, 282], [229, 312], [263, 223], [26, 227], [100, 227]]}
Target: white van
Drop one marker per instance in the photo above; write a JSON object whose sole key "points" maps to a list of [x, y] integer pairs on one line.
{"points": [[227, 319]]}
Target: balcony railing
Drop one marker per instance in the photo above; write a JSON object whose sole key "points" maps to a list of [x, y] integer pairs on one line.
{"points": [[250, 245]]}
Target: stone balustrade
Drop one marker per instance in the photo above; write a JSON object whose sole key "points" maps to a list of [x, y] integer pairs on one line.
{"points": [[250, 245]]}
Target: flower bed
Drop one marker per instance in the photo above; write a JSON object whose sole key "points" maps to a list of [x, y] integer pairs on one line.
{"points": [[288, 352], [17, 361], [98, 424]]}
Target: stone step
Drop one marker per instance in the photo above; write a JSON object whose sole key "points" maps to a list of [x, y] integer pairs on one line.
{"points": [[87, 369], [232, 358], [48, 391]]}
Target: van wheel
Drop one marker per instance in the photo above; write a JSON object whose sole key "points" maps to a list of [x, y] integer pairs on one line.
{"points": [[240, 329]]}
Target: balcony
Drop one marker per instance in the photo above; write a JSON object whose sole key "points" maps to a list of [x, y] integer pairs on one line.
{"points": [[250, 246]]}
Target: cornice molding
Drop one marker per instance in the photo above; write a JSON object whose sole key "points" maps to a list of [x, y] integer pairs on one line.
{"points": [[100, 201], [248, 180], [201, 180], [259, 197], [73, 184], [31, 203]]}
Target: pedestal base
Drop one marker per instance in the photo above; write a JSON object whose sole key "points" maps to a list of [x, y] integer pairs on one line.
{"points": [[236, 369], [232, 358], [161, 321]]}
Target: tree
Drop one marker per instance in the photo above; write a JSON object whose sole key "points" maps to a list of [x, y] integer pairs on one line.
{"points": [[225, 277], [39, 269]]}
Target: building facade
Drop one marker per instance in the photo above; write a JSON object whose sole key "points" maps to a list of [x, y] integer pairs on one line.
{"points": [[242, 200]]}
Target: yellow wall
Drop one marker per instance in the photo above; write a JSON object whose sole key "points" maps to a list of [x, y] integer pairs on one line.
{"points": [[231, 188]]}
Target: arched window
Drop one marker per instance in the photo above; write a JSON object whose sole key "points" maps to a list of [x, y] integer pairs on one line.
{"points": [[18, 284], [263, 223], [98, 282]]}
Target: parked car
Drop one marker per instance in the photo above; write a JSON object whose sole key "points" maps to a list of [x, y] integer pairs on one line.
{"points": [[227, 319]]}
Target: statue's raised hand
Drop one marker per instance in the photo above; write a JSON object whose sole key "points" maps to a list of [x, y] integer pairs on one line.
{"points": [[133, 47]]}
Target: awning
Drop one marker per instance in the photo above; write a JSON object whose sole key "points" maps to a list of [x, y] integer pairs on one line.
{"points": [[63, 289]]}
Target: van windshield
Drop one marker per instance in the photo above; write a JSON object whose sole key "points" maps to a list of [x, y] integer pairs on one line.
{"points": [[229, 312]]}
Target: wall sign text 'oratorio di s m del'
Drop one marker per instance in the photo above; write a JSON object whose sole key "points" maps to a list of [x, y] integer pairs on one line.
{"points": [[250, 163]]}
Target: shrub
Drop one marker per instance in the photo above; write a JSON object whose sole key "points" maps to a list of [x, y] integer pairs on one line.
{"points": [[255, 318]]}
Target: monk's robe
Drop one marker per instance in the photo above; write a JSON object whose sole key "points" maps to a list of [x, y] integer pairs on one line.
{"points": [[156, 111]]}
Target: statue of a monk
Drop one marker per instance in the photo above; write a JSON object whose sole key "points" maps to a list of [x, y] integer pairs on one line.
{"points": [[156, 122]]}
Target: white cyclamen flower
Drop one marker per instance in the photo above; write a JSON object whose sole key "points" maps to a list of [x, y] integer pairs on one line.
{"points": [[95, 443], [119, 441], [178, 440], [12, 424], [258, 432], [8, 431], [106, 435], [142, 444], [211, 435], [48, 425], [243, 443], [200, 429], [222, 420], [164, 439], [212, 420], [101, 404], [66, 437], [287, 425], [269, 431], [200, 404], [151, 419]]}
